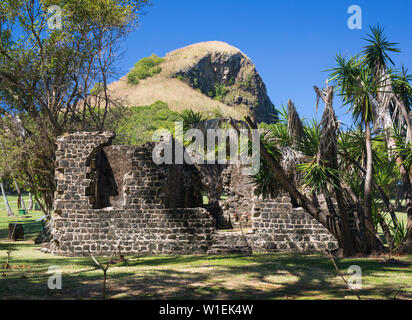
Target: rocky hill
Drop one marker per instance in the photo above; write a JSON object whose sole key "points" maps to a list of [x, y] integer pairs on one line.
{"points": [[208, 77]]}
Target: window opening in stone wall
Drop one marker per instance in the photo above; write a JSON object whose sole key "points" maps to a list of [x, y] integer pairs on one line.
{"points": [[103, 184]]}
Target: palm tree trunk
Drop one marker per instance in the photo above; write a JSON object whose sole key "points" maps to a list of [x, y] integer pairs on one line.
{"points": [[369, 228], [391, 144], [6, 201], [331, 223]]}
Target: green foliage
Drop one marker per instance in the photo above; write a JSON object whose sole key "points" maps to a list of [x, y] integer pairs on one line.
{"points": [[190, 117], [97, 88], [275, 135], [403, 148], [308, 144], [401, 85], [180, 77], [277, 132], [317, 175], [282, 114], [139, 127], [376, 52], [351, 146], [132, 79], [220, 92], [263, 181], [385, 172], [245, 85], [37, 61], [400, 234], [357, 84], [145, 68]]}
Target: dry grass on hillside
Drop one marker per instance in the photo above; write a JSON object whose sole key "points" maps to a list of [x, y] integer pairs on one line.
{"points": [[177, 94]]}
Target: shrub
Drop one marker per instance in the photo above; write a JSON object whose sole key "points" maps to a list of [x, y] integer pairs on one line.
{"points": [[143, 121], [245, 85], [220, 92], [132, 79], [191, 117], [145, 68]]}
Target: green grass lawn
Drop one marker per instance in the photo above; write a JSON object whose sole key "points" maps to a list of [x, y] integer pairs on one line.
{"points": [[260, 276], [31, 227]]}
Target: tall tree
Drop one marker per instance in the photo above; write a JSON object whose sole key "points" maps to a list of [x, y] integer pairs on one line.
{"points": [[347, 171], [392, 101], [356, 85], [47, 76]]}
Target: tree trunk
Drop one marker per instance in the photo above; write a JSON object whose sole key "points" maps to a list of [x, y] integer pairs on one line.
{"points": [[20, 196], [405, 175], [408, 244], [408, 196], [346, 240], [369, 228], [30, 201], [6, 201], [406, 182]]}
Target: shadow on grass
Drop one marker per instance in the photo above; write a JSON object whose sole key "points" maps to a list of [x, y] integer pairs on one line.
{"points": [[314, 278], [31, 228], [203, 277]]}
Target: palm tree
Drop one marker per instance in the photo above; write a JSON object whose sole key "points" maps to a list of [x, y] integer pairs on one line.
{"points": [[357, 86], [393, 96]]}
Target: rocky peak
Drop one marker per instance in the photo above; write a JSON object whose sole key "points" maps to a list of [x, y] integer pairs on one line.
{"points": [[231, 78]]}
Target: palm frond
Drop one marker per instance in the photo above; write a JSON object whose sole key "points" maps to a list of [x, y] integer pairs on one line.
{"points": [[377, 51]]}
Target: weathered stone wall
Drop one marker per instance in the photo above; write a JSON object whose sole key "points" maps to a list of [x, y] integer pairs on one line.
{"points": [[237, 207], [277, 226], [116, 197], [143, 216], [140, 232]]}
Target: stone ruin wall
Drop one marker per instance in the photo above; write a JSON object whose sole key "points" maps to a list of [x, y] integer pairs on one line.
{"points": [[115, 196], [143, 217], [271, 224], [277, 226]]}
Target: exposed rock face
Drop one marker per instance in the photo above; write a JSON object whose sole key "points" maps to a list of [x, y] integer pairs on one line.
{"points": [[231, 78], [205, 77]]}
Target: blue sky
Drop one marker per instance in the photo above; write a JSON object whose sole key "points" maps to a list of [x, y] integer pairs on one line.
{"points": [[291, 42]]}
